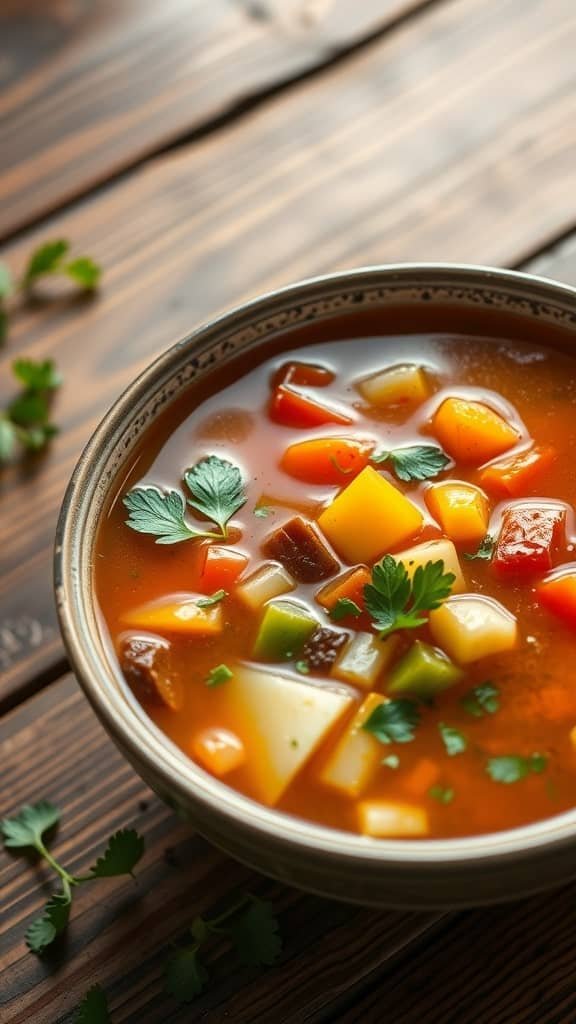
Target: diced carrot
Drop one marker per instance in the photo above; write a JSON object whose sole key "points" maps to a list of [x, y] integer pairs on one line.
{"points": [[471, 431], [424, 774], [303, 375], [294, 410], [513, 476], [222, 567], [177, 613], [461, 509], [326, 460], [218, 750], [350, 585], [558, 595]]}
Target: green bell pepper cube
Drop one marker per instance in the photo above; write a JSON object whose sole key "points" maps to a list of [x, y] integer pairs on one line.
{"points": [[423, 671], [284, 630]]}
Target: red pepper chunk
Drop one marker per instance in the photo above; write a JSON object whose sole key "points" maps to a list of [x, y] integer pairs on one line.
{"points": [[303, 374], [222, 567], [292, 409], [558, 595], [529, 538]]}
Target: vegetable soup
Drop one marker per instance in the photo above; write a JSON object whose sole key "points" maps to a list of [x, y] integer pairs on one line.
{"points": [[341, 576]]}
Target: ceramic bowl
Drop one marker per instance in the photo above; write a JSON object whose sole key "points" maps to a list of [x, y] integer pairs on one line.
{"points": [[377, 872]]}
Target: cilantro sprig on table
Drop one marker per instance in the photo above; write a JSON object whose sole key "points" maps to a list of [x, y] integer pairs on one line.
{"points": [[94, 1008], [27, 831], [216, 492], [394, 601], [26, 420], [416, 462]]}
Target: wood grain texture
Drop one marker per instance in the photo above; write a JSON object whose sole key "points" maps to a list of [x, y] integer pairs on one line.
{"points": [[120, 933], [88, 87], [437, 143]]}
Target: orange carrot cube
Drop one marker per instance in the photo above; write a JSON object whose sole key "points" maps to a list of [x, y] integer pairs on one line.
{"points": [[471, 431], [218, 750], [515, 475], [222, 567]]}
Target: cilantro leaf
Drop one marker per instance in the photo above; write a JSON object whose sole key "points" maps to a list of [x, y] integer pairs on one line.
{"points": [[45, 260], [511, 768], [302, 667], [42, 932], [5, 280], [394, 721], [29, 409], [396, 602], [343, 607], [216, 488], [84, 272], [37, 376], [160, 513], [443, 794], [392, 761], [454, 741], [263, 511], [482, 699], [124, 850], [485, 550], [30, 824], [416, 462], [217, 676], [94, 1008], [185, 976], [254, 933], [207, 602]]}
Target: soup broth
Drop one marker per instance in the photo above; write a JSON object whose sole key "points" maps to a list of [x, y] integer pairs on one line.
{"points": [[298, 652]]}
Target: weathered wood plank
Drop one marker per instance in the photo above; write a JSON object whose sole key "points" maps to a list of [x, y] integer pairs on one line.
{"points": [[53, 747], [440, 142], [89, 88]]}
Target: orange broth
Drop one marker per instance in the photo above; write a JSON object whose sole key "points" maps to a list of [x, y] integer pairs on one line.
{"points": [[517, 370]]}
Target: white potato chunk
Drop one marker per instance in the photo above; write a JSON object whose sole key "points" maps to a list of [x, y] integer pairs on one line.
{"points": [[363, 658], [433, 551], [471, 626], [357, 754], [269, 581], [405, 384], [387, 818], [282, 721]]}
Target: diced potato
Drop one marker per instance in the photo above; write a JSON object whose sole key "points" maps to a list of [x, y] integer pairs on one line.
{"points": [[218, 750], [405, 384], [364, 658], [282, 722], [369, 518], [471, 431], [471, 626], [386, 818], [461, 510], [433, 551], [177, 613], [357, 754], [269, 581]]}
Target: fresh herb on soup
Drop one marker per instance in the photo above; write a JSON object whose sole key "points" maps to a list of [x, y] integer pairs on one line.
{"points": [[344, 581]]}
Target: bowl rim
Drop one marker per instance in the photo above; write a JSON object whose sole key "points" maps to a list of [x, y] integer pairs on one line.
{"points": [[143, 742]]}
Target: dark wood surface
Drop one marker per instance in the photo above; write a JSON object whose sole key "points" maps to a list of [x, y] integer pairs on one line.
{"points": [[382, 131]]}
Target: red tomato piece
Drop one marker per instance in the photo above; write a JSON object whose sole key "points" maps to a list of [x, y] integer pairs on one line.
{"points": [[558, 595], [514, 475], [529, 538], [303, 375], [295, 410], [221, 569]]}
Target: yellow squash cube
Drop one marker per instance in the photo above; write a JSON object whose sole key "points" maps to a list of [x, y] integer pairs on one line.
{"points": [[405, 384], [355, 759], [363, 659], [433, 551], [369, 518], [395, 820], [470, 626], [461, 510]]}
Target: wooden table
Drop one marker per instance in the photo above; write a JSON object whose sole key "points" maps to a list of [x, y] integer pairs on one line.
{"points": [[204, 151]]}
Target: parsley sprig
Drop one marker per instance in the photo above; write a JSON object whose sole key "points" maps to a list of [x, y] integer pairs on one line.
{"points": [[484, 552], [416, 462], [94, 1008], [394, 721], [394, 601], [216, 492], [26, 420], [512, 768], [28, 831], [251, 927]]}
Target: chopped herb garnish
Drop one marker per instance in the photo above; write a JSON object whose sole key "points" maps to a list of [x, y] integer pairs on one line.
{"points": [[263, 511], [26, 420], [94, 1008], [207, 602], [443, 794], [294, 744], [217, 676], [392, 761], [27, 831], [417, 462], [303, 667], [395, 601], [454, 741], [217, 492], [484, 552], [482, 700], [344, 607], [511, 768], [394, 721]]}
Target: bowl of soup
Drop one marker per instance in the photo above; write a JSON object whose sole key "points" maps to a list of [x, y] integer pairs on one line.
{"points": [[316, 574]]}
